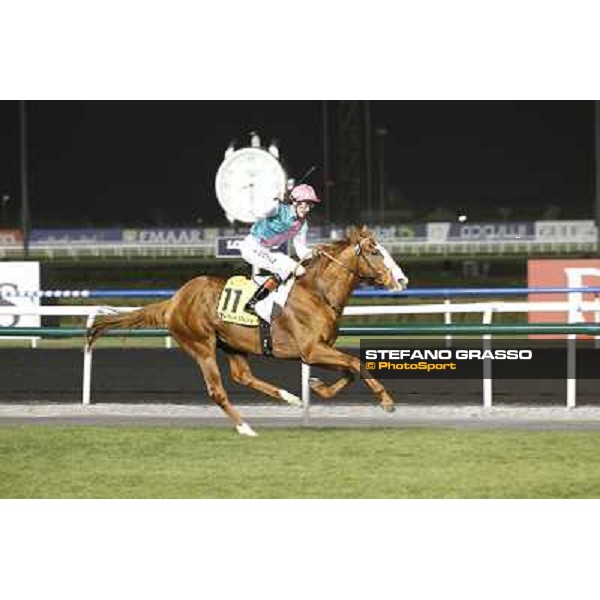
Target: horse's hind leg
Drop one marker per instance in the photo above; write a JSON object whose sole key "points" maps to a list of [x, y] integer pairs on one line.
{"points": [[242, 374], [204, 354]]}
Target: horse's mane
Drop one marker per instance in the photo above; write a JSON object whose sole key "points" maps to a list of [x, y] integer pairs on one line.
{"points": [[353, 237]]}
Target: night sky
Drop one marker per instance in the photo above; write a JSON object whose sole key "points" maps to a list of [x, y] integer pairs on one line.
{"points": [[100, 163]]}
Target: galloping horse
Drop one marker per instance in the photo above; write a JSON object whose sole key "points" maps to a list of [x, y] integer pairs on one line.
{"points": [[306, 329]]}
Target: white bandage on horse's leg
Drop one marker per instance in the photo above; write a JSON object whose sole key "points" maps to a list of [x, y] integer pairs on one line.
{"points": [[290, 398], [245, 429]]}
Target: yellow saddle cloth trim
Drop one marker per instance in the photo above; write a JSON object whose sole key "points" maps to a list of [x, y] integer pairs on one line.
{"points": [[237, 291]]}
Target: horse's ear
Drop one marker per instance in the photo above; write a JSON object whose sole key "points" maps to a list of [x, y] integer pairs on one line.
{"points": [[365, 232], [353, 234]]}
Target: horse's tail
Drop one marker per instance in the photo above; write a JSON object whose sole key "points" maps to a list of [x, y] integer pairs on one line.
{"points": [[153, 315]]}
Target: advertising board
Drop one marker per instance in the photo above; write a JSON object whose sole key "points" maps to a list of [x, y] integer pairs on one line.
{"points": [[565, 273], [229, 247], [74, 236], [154, 236], [15, 278], [11, 237]]}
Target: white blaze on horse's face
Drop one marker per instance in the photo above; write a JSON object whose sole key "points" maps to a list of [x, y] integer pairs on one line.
{"points": [[397, 273]]}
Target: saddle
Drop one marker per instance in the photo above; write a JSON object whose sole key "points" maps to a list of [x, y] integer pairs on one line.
{"points": [[238, 290]]}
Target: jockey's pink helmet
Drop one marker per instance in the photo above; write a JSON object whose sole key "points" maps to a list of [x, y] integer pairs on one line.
{"points": [[304, 193]]}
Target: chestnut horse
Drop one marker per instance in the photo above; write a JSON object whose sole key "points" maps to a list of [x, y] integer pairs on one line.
{"points": [[306, 329]]}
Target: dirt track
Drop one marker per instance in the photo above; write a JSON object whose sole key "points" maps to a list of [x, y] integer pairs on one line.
{"points": [[164, 387], [518, 417]]}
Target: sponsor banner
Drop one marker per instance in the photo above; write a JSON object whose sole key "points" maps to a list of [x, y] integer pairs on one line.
{"points": [[11, 237], [490, 231], [565, 231], [567, 273], [508, 359], [19, 277], [210, 233], [231, 230], [437, 232], [77, 236], [163, 236], [229, 247], [544, 231], [394, 232]]}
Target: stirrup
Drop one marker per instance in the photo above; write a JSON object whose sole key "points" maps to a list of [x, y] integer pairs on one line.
{"points": [[250, 307], [260, 294]]}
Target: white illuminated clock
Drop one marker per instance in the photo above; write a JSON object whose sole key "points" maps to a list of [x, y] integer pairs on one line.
{"points": [[247, 182]]}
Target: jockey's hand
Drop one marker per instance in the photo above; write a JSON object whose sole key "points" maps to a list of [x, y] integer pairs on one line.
{"points": [[299, 271], [309, 256]]}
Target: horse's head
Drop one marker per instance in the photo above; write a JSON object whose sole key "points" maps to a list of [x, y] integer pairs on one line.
{"points": [[375, 262]]}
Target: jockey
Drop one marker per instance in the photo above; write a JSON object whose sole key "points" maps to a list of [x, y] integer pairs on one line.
{"points": [[286, 221]]}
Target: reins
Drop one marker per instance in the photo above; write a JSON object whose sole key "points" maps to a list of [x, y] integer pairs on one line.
{"points": [[359, 252], [336, 261], [358, 249]]}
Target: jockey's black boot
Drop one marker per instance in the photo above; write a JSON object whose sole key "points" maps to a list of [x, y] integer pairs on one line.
{"points": [[261, 293]]}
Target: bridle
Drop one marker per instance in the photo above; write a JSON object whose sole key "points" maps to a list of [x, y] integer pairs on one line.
{"points": [[358, 249]]}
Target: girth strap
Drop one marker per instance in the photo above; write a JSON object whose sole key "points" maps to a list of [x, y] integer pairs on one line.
{"points": [[266, 342]]}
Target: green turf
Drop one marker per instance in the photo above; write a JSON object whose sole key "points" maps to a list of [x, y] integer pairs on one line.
{"points": [[158, 462]]}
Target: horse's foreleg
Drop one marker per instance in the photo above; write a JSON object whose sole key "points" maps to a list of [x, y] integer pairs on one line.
{"points": [[328, 391], [204, 355], [326, 356], [242, 374]]}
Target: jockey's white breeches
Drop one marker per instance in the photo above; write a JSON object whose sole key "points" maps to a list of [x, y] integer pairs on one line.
{"points": [[269, 260]]}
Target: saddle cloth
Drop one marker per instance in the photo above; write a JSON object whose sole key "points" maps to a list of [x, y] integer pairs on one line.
{"points": [[239, 289]]}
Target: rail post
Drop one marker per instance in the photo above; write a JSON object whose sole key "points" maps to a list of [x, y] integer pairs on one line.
{"points": [[576, 315], [87, 364], [305, 393], [448, 321], [487, 363], [572, 370]]}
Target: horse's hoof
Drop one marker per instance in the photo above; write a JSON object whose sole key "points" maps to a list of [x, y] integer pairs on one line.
{"points": [[315, 382], [389, 408], [245, 429]]}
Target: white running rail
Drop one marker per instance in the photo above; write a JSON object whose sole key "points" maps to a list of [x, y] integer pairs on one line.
{"points": [[574, 313]]}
